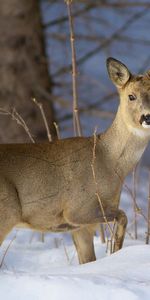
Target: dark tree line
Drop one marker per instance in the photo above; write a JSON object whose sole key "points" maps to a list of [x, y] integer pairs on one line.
{"points": [[23, 70]]}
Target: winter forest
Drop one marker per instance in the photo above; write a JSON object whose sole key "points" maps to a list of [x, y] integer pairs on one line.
{"points": [[72, 152]]}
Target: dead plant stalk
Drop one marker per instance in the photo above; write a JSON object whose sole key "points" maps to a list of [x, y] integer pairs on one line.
{"points": [[57, 130], [6, 251], [20, 121], [97, 190], [134, 203], [76, 119], [40, 106], [148, 214]]}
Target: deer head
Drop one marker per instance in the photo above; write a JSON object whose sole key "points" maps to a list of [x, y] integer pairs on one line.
{"points": [[134, 91]]}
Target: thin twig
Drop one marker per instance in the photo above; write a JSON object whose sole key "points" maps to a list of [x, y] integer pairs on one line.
{"points": [[102, 234], [8, 247], [20, 121], [134, 203], [76, 119], [65, 18], [66, 253], [94, 5], [42, 237], [138, 209], [96, 187], [56, 242], [148, 214], [40, 106], [57, 130], [129, 234], [105, 43]]}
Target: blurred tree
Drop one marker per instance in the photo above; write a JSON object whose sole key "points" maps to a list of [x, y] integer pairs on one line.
{"points": [[23, 70]]}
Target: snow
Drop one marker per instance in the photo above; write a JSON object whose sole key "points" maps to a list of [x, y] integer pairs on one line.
{"points": [[49, 270], [40, 271]]}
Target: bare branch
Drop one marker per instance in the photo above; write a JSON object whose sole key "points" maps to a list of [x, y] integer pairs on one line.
{"points": [[76, 119], [57, 130], [90, 107], [5, 253], [65, 18], [91, 5], [148, 214], [106, 42], [40, 106], [96, 186], [17, 117], [134, 202]]}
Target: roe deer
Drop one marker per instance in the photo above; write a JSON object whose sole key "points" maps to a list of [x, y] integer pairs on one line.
{"points": [[50, 187]]}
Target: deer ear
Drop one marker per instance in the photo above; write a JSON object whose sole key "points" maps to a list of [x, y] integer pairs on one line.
{"points": [[118, 72]]}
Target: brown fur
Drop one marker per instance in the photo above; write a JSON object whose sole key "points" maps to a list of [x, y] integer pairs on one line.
{"points": [[50, 187]]}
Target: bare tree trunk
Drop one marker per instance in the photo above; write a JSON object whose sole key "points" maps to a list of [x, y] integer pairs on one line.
{"points": [[23, 69]]}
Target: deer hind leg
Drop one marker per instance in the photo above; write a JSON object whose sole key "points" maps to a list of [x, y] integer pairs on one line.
{"points": [[121, 219], [10, 209], [83, 240]]}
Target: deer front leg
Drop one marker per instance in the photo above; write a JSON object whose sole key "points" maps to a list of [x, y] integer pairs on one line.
{"points": [[89, 215], [83, 240], [121, 219], [86, 217]]}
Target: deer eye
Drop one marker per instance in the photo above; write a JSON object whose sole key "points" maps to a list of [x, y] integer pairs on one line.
{"points": [[132, 97]]}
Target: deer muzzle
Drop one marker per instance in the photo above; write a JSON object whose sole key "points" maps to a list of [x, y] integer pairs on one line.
{"points": [[145, 121]]}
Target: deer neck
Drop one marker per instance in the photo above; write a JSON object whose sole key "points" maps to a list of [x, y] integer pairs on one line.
{"points": [[123, 145]]}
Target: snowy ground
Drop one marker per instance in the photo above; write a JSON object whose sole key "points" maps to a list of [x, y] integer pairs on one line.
{"points": [[40, 271], [35, 270]]}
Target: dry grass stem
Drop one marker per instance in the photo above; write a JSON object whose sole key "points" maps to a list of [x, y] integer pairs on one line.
{"points": [[66, 253], [76, 119], [31, 238], [134, 203], [96, 187], [42, 237], [6, 251], [101, 232], [57, 131], [129, 234], [56, 242], [148, 214], [137, 208], [17, 117], [109, 246], [40, 106]]}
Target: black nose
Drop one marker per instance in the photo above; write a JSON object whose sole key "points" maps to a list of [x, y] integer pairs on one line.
{"points": [[145, 118]]}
